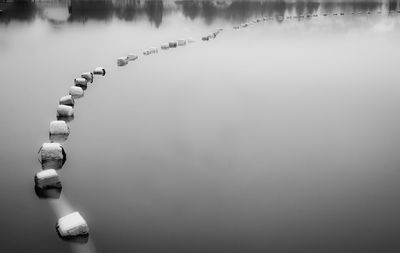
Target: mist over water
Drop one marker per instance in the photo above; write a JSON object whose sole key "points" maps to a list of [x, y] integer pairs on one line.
{"points": [[61, 206], [282, 137]]}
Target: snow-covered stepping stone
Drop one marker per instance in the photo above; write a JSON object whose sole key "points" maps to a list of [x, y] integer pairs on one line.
{"points": [[65, 111], [81, 82], [99, 71], [52, 155], [165, 46], [182, 42], [72, 225], [122, 61], [58, 131], [153, 50], [132, 57], [67, 100], [76, 92], [47, 179], [173, 44], [88, 76]]}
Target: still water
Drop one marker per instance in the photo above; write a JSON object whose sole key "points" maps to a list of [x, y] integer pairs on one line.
{"points": [[281, 137]]}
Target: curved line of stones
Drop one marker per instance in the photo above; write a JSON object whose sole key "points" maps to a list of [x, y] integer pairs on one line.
{"points": [[52, 155]]}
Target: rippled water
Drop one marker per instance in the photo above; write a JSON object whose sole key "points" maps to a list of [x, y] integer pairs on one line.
{"points": [[281, 137]]}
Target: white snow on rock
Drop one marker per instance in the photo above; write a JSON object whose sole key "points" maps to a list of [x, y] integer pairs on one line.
{"points": [[76, 92], [99, 71], [132, 57], [88, 76], [52, 155], [173, 44], [122, 61], [80, 81], [182, 42], [165, 46], [65, 111], [67, 100], [50, 151], [59, 127], [47, 179], [153, 50], [72, 225]]}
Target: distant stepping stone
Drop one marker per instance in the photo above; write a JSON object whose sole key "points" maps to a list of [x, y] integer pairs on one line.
{"points": [[88, 76], [76, 92], [173, 44], [132, 57], [67, 100], [122, 61], [151, 50], [99, 71], [65, 111], [165, 46], [81, 82], [182, 42]]}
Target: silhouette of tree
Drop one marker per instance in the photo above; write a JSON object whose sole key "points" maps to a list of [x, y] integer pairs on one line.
{"points": [[190, 9], [128, 11], [238, 11], [209, 11], [154, 10], [82, 11], [312, 6], [392, 5], [19, 10]]}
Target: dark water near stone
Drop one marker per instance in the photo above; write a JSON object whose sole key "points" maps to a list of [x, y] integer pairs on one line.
{"points": [[282, 137]]}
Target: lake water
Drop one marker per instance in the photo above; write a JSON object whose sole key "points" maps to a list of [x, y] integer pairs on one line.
{"points": [[280, 137]]}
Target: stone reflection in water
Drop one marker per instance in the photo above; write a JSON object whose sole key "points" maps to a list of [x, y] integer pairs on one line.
{"points": [[66, 118], [48, 193], [86, 247], [81, 239], [156, 10]]}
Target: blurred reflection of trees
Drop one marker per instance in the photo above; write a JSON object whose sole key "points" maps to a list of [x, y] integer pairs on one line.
{"points": [[155, 10]]}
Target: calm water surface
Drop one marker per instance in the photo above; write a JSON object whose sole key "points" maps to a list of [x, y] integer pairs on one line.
{"points": [[282, 137]]}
